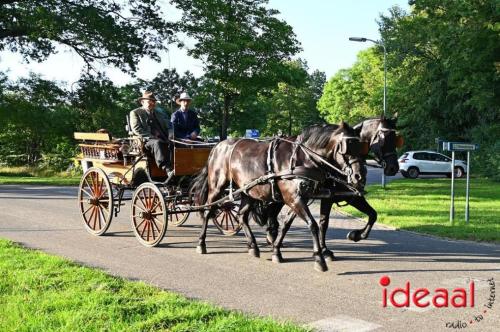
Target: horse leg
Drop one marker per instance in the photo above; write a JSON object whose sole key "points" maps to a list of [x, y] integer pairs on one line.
{"points": [[272, 222], [277, 244], [302, 210], [324, 217], [253, 248], [362, 205], [202, 247]]}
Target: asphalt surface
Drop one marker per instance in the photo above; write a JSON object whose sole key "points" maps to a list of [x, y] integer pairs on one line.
{"points": [[348, 297]]}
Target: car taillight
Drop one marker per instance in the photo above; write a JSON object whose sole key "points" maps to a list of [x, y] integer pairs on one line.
{"points": [[403, 160]]}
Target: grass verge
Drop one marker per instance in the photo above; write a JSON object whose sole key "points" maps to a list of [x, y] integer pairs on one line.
{"points": [[423, 205], [26, 175], [40, 292]]}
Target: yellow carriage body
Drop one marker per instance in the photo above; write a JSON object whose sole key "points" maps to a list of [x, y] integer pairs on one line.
{"points": [[100, 150]]}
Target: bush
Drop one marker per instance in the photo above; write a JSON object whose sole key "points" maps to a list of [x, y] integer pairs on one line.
{"points": [[486, 161], [59, 159]]}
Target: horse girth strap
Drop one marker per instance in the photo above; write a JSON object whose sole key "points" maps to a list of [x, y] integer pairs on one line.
{"points": [[271, 155]]}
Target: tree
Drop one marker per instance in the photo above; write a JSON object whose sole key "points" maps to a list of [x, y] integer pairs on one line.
{"points": [[168, 84], [445, 60], [241, 43], [34, 117], [105, 31], [355, 93], [291, 105], [99, 104]]}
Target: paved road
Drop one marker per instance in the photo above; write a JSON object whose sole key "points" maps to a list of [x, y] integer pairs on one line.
{"points": [[346, 298]]}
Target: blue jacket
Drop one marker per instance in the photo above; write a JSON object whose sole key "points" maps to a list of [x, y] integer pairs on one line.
{"points": [[184, 128]]}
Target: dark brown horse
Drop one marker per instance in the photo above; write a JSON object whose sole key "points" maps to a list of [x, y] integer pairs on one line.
{"points": [[300, 168], [380, 133]]}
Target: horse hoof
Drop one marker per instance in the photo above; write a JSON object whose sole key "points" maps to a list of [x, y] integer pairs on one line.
{"points": [[201, 250], [277, 259], [353, 236], [320, 266], [254, 252]]}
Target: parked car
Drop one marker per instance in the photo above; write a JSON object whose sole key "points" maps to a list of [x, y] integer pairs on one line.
{"points": [[414, 163]]}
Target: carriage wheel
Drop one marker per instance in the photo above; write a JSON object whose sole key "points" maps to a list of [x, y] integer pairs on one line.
{"points": [[177, 219], [95, 199], [226, 219], [149, 214]]}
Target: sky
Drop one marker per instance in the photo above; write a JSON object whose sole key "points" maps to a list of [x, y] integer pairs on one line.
{"points": [[323, 28]]}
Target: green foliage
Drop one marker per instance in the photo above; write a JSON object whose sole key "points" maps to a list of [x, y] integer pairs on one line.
{"points": [[39, 292], [445, 67], [33, 113], [242, 45], [109, 32], [355, 93]]}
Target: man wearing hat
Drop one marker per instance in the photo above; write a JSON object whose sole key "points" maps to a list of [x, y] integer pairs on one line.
{"points": [[148, 122], [185, 121]]}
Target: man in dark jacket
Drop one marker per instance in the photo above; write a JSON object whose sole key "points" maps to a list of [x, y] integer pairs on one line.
{"points": [[185, 121], [152, 125]]}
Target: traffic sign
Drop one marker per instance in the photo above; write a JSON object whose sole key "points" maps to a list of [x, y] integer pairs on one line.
{"points": [[459, 146], [252, 133]]}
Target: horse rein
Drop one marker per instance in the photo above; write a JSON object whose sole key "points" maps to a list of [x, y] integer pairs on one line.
{"points": [[312, 154]]}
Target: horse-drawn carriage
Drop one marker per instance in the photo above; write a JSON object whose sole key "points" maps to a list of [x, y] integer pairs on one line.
{"points": [[325, 162], [113, 167]]}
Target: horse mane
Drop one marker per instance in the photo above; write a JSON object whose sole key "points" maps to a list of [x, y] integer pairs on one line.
{"points": [[318, 136]]}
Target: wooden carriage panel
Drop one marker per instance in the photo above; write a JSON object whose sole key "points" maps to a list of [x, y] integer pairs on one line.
{"points": [[188, 161]]}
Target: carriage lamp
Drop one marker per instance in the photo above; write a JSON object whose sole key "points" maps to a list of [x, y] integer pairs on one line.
{"points": [[381, 43]]}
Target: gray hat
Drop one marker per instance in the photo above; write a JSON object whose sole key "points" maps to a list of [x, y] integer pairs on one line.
{"points": [[183, 96]]}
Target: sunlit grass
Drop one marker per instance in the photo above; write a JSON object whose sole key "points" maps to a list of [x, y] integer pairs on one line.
{"points": [[40, 292], [423, 205], [30, 175]]}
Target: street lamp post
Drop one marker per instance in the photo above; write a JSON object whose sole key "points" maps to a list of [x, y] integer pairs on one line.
{"points": [[381, 43]]}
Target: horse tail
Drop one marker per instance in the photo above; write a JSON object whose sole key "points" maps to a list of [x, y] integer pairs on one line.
{"points": [[199, 187]]}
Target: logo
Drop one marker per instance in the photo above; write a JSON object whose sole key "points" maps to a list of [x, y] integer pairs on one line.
{"points": [[440, 297], [459, 297]]}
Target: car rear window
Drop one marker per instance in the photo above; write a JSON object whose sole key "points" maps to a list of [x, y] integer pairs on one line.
{"points": [[404, 155]]}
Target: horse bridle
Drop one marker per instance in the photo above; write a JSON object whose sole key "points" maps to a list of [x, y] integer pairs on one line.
{"points": [[347, 170], [380, 156]]}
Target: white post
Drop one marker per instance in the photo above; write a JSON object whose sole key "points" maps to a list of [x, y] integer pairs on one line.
{"points": [[467, 189], [385, 102], [452, 204]]}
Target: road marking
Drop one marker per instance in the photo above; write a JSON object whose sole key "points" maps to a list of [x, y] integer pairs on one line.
{"points": [[342, 323]]}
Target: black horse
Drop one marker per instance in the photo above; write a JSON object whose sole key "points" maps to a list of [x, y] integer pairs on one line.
{"points": [[299, 169], [380, 133]]}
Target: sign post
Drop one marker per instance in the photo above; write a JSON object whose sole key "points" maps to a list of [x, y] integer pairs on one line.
{"points": [[467, 189], [459, 146]]}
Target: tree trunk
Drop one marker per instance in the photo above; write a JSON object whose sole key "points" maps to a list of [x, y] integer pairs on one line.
{"points": [[225, 117]]}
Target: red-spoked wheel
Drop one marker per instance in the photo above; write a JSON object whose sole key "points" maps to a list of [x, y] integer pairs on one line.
{"points": [[149, 214], [95, 200], [226, 218]]}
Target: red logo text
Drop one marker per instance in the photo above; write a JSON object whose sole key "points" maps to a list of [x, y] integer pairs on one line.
{"points": [[439, 298]]}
